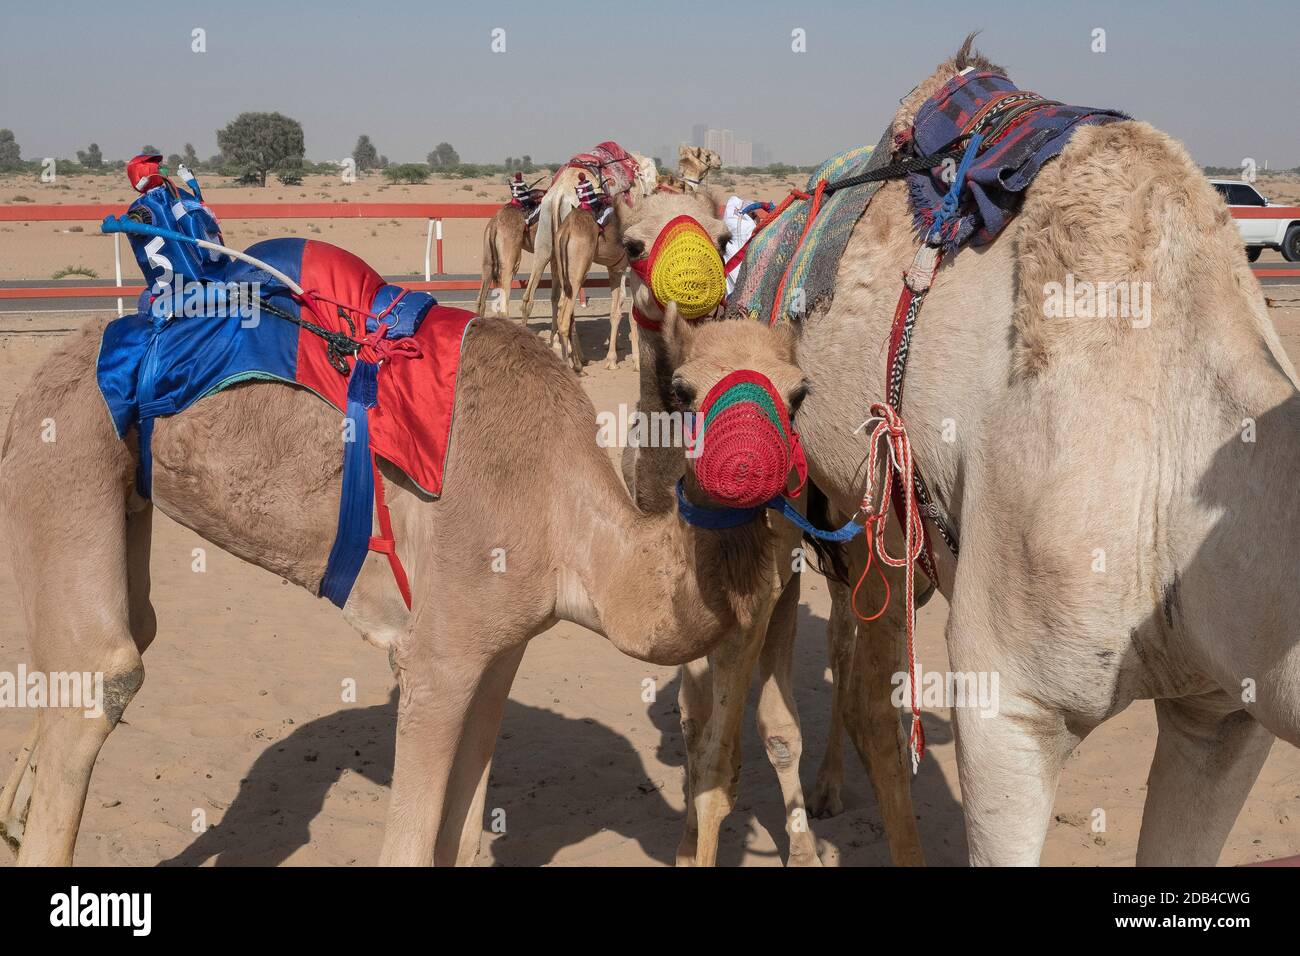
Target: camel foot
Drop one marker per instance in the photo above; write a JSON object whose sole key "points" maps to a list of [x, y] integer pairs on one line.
{"points": [[16, 799], [825, 801], [611, 364], [804, 855]]}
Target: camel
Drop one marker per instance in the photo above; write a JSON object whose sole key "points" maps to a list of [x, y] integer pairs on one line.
{"points": [[579, 242], [560, 201], [714, 689], [1121, 483], [505, 240], [694, 163], [526, 533]]}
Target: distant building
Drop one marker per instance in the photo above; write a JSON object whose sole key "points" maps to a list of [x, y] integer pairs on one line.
{"points": [[732, 151]]}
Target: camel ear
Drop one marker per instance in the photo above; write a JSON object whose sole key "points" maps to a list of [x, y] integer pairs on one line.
{"points": [[679, 335]]}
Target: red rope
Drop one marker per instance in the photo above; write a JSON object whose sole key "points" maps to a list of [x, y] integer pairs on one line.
{"points": [[807, 226], [385, 543], [890, 453]]}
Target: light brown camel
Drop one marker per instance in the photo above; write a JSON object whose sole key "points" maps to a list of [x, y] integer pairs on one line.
{"points": [[694, 163], [507, 237], [714, 689], [579, 242], [1121, 478], [526, 533]]}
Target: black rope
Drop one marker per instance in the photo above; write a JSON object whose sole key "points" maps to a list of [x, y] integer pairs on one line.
{"points": [[338, 345], [893, 170]]}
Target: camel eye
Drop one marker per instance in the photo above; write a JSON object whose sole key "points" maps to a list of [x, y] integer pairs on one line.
{"points": [[683, 393], [797, 395], [722, 242], [635, 248]]}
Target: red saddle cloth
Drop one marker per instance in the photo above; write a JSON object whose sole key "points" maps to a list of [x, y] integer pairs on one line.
{"points": [[411, 424], [614, 167]]}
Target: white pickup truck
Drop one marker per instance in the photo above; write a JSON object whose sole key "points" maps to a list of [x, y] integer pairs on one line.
{"points": [[1259, 229]]}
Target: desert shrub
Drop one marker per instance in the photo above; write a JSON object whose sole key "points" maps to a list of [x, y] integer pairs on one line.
{"points": [[407, 173]]}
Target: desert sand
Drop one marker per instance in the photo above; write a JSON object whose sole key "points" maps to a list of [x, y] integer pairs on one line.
{"points": [[240, 748], [241, 725]]}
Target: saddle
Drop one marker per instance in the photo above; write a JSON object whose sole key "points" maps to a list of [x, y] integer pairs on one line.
{"points": [[385, 356], [614, 168]]}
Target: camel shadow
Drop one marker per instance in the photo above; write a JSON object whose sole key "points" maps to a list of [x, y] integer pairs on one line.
{"points": [[285, 790], [558, 782]]}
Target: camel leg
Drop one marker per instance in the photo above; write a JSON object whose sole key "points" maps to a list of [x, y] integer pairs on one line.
{"points": [[778, 722], [695, 702], [462, 830], [41, 806], [826, 799], [714, 783], [509, 268], [615, 316], [440, 687], [534, 279], [1208, 755], [1009, 766]]}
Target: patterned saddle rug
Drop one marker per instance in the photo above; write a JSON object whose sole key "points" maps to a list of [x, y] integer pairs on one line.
{"points": [[398, 389], [789, 267], [615, 169]]}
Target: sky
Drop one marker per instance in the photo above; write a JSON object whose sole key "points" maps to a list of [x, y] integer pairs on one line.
{"points": [[1221, 77]]}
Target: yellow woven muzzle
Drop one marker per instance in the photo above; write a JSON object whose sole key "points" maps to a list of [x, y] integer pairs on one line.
{"points": [[684, 267]]}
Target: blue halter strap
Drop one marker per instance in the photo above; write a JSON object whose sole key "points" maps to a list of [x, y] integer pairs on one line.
{"points": [[720, 519]]}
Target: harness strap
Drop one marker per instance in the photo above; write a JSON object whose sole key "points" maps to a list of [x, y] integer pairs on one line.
{"points": [[385, 543]]}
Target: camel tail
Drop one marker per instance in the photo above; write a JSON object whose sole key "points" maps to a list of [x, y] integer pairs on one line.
{"points": [[491, 265]]}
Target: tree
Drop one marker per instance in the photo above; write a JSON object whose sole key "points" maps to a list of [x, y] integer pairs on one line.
{"points": [[189, 156], [383, 162], [173, 161], [364, 154], [91, 157], [407, 173], [444, 154], [258, 143], [527, 166], [150, 150], [10, 154]]}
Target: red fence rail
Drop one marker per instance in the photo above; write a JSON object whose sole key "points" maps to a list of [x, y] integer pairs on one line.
{"points": [[435, 213]]}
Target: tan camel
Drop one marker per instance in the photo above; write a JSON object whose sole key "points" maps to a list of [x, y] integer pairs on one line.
{"points": [[579, 242], [714, 689], [694, 163], [255, 469], [505, 240], [1121, 479]]}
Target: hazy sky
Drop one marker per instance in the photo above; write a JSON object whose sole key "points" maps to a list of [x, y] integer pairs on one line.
{"points": [[411, 74]]}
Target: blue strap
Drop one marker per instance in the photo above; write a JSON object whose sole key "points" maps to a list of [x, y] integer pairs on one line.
{"points": [[950, 201], [356, 502], [720, 519]]}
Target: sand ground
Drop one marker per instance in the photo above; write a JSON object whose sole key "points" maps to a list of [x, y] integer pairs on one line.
{"points": [[241, 726]]}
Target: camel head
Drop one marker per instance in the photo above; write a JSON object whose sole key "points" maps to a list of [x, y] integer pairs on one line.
{"points": [[739, 381], [694, 277], [965, 57], [696, 162]]}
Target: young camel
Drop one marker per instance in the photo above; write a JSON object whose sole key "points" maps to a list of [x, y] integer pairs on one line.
{"points": [[1121, 479], [714, 689], [255, 469], [505, 240]]}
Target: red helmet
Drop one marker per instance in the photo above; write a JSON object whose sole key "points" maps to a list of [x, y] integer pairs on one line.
{"points": [[146, 172]]}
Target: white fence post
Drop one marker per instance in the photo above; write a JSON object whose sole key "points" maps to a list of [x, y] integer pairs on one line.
{"points": [[428, 251]]}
